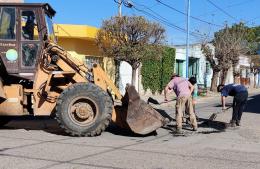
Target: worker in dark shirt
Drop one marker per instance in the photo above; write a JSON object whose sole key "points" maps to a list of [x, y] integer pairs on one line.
{"points": [[240, 94]]}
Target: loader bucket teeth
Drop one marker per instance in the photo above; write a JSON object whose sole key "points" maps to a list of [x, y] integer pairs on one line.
{"points": [[137, 115]]}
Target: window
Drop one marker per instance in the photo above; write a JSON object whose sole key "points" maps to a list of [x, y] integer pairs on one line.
{"points": [[50, 30], [7, 23], [29, 53], [29, 26]]}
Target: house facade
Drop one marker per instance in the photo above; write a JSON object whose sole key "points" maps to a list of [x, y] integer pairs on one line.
{"points": [[79, 41], [198, 66], [244, 68]]}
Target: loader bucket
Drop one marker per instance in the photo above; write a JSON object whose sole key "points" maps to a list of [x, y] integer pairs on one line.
{"points": [[136, 115]]}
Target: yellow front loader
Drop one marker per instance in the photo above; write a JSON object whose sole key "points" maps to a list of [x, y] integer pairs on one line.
{"points": [[40, 78]]}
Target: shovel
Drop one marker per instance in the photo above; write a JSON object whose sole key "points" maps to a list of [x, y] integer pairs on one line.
{"points": [[214, 115], [136, 115], [154, 101]]}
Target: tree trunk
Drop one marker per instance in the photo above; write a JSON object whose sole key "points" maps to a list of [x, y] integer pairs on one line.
{"points": [[134, 76], [117, 73], [236, 74], [224, 76], [214, 81]]}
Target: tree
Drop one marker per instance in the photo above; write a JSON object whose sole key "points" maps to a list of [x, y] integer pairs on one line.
{"points": [[131, 39], [214, 63], [228, 44], [253, 37], [157, 73]]}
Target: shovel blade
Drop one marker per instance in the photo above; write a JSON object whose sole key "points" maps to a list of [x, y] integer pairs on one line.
{"points": [[136, 115], [142, 118]]}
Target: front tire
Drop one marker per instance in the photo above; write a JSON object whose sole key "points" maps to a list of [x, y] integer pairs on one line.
{"points": [[84, 109]]}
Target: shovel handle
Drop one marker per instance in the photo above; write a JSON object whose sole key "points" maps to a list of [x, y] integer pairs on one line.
{"points": [[227, 108], [167, 101]]}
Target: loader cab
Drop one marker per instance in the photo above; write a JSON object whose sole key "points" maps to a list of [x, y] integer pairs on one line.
{"points": [[23, 29]]}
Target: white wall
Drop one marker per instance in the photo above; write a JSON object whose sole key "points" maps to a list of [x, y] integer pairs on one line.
{"points": [[243, 61], [125, 72]]}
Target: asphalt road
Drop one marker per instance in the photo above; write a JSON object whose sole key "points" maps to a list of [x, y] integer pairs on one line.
{"points": [[39, 143]]}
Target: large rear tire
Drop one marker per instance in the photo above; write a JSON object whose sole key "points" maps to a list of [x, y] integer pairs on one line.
{"points": [[84, 109]]}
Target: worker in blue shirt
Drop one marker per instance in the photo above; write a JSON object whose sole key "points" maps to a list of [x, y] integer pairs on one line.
{"points": [[240, 94]]}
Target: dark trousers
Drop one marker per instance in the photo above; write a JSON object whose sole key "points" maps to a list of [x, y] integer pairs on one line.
{"points": [[239, 103]]}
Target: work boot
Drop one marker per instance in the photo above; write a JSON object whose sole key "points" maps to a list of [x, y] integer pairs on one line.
{"points": [[179, 131], [231, 124], [238, 122], [194, 128]]}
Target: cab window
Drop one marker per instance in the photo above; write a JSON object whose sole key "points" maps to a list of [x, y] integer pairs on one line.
{"points": [[29, 25], [7, 23], [29, 53], [50, 30]]}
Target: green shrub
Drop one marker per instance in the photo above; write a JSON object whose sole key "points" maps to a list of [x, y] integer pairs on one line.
{"points": [[156, 73]]}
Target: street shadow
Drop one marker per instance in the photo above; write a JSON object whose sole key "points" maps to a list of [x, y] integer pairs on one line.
{"points": [[45, 123], [50, 125], [114, 129], [205, 126], [252, 105], [218, 126]]}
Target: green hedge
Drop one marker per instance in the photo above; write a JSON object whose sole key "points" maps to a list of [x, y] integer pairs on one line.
{"points": [[156, 73]]}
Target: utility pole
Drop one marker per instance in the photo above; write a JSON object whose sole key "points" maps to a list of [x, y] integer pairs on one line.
{"points": [[119, 8], [117, 63], [187, 38]]}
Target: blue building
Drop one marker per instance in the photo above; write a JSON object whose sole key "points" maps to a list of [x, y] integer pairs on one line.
{"points": [[198, 66]]}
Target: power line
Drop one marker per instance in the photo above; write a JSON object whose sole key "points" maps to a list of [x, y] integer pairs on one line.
{"points": [[118, 2], [161, 19], [222, 10], [227, 7], [251, 20], [193, 17]]}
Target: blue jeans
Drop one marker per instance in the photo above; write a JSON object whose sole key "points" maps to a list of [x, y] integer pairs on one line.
{"points": [[239, 104]]}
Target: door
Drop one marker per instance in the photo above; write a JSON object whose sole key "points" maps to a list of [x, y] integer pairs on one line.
{"points": [[30, 41], [8, 39], [179, 67], [193, 67]]}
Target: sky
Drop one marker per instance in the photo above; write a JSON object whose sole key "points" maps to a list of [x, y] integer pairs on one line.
{"points": [[207, 16]]}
